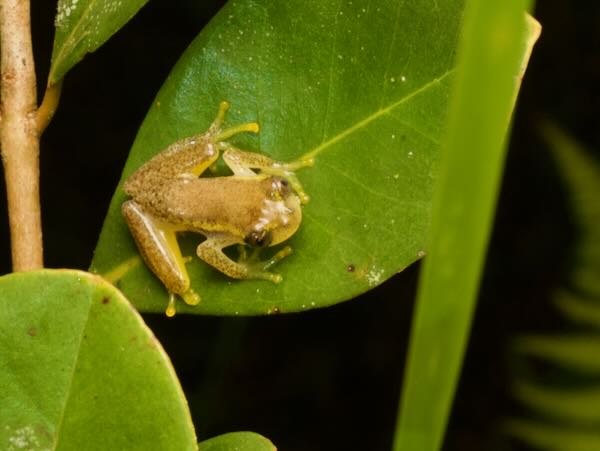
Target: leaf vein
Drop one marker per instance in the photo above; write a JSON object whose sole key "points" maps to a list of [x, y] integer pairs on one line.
{"points": [[377, 114], [363, 187], [72, 377]]}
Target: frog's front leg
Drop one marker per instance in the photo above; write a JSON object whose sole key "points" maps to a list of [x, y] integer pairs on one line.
{"points": [[242, 163], [211, 251], [187, 158], [159, 248]]}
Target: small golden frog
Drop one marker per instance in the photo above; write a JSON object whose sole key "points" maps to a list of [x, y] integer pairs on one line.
{"points": [[247, 208]]}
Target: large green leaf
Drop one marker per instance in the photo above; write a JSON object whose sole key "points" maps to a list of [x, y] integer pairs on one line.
{"points": [[238, 441], [360, 86], [84, 25], [79, 370]]}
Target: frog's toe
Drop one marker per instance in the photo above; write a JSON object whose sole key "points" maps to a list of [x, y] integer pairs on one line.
{"points": [[260, 269], [170, 312], [257, 272], [287, 250], [190, 297]]}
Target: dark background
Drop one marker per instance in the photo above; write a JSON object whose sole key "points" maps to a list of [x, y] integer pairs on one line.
{"points": [[326, 379]]}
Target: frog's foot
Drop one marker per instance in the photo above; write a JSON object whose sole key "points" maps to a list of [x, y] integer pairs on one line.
{"points": [[218, 134], [190, 297], [259, 269]]}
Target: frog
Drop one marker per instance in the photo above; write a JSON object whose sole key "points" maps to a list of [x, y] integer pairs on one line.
{"points": [[258, 206]]}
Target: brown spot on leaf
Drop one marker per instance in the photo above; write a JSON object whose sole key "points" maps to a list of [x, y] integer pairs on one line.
{"points": [[32, 331], [105, 300], [351, 267]]}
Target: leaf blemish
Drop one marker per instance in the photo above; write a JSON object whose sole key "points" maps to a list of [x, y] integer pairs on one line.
{"points": [[64, 10], [105, 300], [24, 438], [374, 276], [32, 331]]}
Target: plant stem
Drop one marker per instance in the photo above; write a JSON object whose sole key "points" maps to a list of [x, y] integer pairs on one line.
{"points": [[48, 106], [19, 135]]}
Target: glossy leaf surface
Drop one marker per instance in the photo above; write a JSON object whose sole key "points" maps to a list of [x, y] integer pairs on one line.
{"points": [[84, 25], [79, 369], [360, 87]]}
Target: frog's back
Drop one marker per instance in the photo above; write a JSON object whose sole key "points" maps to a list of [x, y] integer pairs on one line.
{"points": [[213, 204]]}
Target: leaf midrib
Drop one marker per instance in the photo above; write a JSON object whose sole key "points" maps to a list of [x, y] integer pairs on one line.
{"points": [[59, 424], [372, 117]]}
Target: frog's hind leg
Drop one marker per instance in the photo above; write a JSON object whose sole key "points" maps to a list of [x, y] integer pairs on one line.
{"points": [[242, 163], [211, 251], [160, 251]]}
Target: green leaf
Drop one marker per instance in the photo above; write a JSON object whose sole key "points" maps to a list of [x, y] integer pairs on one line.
{"points": [[360, 86], [79, 369], [495, 45], [575, 351], [572, 405], [84, 25], [576, 308], [554, 437], [581, 173], [238, 441]]}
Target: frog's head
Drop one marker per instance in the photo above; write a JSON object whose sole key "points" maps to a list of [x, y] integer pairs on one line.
{"points": [[281, 214]]}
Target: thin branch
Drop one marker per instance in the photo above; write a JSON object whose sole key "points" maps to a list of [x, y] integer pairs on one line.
{"points": [[19, 135]]}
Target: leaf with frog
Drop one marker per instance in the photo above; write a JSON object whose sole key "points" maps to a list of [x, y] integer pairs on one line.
{"points": [[361, 88]]}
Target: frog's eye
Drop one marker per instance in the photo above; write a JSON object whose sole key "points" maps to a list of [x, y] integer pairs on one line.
{"points": [[259, 238], [281, 187]]}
